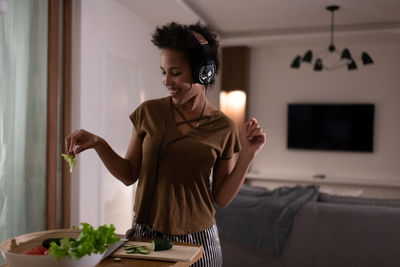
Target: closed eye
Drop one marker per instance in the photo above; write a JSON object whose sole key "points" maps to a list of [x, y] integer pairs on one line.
{"points": [[173, 74]]}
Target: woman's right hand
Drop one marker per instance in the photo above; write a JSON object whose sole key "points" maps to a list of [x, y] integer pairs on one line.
{"points": [[79, 141]]}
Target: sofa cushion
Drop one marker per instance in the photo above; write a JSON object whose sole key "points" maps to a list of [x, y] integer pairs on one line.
{"points": [[330, 235], [262, 219], [327, 198]]}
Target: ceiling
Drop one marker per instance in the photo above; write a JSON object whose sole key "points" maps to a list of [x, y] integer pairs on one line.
{"points": [[257, 18]]}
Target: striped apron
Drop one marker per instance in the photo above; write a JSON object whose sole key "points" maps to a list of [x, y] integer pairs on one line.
{"points": [[208, 238]]}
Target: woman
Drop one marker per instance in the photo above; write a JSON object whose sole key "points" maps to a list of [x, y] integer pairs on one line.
{"points": [[177, 142]]}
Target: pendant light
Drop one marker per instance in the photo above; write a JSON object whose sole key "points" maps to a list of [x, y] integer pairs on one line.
{"points": [[346, 59]]}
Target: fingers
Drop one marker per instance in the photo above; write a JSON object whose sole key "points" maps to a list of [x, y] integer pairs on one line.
{"points": [[253, 130], [257, 133], [250, 126], [77, 142], [261, 136], [252, 122], [81, 148], [69, 143]]}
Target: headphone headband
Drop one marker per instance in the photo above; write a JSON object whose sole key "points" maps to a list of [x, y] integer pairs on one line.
{"points": [[200, 38]]}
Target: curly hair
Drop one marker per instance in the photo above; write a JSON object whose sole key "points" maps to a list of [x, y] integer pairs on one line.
{"points": [[180, 37]]}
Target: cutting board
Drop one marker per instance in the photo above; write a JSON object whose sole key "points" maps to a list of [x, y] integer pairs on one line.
{"points": [[176, 253]]}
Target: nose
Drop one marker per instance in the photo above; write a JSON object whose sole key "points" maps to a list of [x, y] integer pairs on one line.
{"points": [[167, 79]]}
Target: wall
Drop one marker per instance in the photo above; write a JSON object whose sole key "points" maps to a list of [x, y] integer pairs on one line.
{"points": [[115, 68], [274, 84]]}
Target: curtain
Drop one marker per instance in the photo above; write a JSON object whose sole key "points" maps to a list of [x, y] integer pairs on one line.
{"points": [[23, 96]]}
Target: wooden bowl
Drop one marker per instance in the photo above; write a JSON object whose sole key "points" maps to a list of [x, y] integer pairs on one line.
{"points": [[13, 249]]}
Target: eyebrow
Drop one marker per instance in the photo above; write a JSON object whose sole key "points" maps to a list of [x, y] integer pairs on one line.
{"points": [[172, 68]]}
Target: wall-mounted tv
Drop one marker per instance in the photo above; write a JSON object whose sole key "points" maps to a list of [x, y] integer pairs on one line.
{"points": [[345, 127]]}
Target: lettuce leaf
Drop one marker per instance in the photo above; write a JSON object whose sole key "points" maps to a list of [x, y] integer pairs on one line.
{"points": [[71, 161], [89, 241]]}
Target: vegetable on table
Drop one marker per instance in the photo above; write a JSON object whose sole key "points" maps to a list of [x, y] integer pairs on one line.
{"points": [[39, 250], [46, 243], [71, 161], [161, 244], [156, 245], [130, 249], [90, 241]]}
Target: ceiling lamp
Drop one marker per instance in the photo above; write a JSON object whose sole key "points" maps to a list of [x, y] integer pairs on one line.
{"points": [[345, 57]]}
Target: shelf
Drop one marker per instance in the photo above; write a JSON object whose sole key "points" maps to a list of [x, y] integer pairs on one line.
{"points": [[327, 180]]}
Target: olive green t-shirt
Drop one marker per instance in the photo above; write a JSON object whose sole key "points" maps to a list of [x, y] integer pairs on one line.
{"points": [[174, 193]]}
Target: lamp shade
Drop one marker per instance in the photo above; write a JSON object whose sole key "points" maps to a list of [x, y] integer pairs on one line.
{"points": [[318, 65], [307, 56], [233, 104], [296, 62], [346, 54], [366, 59], [352, 65]]}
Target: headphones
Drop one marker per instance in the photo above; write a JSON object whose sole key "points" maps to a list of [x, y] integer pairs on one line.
{"points": [[204, 72]]}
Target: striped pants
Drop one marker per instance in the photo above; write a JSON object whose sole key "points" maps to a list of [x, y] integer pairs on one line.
{"points": [[208, 238]]}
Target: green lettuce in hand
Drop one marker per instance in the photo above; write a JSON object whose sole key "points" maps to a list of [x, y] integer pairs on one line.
{"points": [[71, 161]]}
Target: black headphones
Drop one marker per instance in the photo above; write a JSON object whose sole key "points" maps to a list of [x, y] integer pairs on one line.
{"points": [[204, 72]]}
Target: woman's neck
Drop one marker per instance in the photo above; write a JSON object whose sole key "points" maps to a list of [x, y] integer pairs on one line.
{"points": [[194, 104]]}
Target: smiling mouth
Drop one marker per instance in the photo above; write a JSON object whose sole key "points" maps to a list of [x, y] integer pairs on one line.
{"points": [[173, 92]]}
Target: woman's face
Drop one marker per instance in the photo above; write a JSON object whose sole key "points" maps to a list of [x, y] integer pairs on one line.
{"points": [[177, 76]]}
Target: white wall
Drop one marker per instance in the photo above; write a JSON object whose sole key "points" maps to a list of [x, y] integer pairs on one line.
{"points": [[274, 84], [115, 68]]}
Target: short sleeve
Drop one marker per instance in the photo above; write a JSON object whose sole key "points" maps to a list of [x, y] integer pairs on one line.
{"points": [[137, 118], [232, 144]]}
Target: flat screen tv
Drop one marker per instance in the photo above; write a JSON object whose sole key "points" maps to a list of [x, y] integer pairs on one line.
{"points": [[345, 127]]}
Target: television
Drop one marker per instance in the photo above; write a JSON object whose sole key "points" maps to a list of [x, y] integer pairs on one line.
{"points": [[343, 127]]}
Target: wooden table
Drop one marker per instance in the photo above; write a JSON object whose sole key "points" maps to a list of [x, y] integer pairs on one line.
{"points": [[109, 261]]}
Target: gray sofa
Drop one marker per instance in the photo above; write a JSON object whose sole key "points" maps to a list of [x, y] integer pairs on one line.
{"points": [[331, 232]]}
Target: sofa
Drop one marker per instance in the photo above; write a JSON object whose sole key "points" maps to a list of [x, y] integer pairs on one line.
{"points": [[330, 231]]}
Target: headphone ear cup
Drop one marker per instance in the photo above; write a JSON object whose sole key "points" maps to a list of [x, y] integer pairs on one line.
{"points": [[204, 73], [207, 72]]}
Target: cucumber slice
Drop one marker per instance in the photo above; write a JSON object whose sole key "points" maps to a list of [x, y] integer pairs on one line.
{"points": [[143, 250], [130, 249], [161, 244]]}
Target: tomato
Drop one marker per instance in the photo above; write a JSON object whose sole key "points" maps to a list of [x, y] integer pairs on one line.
{"points": [[40, 250]]}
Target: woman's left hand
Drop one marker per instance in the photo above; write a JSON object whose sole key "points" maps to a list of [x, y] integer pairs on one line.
{"points": [[253, 137]]}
